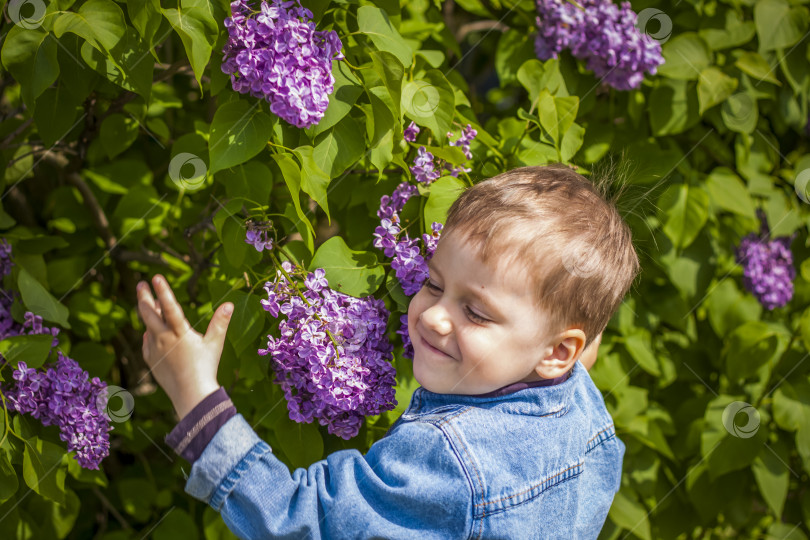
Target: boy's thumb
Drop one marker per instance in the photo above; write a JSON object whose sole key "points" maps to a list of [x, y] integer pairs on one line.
{"points": [[218, 326]]}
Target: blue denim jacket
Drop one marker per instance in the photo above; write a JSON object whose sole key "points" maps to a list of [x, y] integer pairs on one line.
{"points": [[538, 463]]}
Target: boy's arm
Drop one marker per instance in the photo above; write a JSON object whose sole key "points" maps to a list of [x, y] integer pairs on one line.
{"points": [[410, 482]]}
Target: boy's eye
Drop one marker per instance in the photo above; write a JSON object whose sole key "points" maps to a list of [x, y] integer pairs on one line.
{"points": [[473, 315]]}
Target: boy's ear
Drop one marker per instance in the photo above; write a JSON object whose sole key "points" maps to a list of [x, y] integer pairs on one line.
{"points": [[567, 350]]}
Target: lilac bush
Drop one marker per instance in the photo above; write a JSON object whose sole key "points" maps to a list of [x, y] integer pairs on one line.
{"points": [[337, 389], [603, 34], [63, 394], [768, 271], [276, 54]]}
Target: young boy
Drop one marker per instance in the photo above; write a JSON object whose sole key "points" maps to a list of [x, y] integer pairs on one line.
{"points": [[507, 437]]}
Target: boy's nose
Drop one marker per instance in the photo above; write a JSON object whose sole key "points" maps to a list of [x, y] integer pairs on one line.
{"points": [[437, 319]]}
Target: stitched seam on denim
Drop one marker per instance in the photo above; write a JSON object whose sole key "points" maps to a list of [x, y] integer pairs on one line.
{"points": [[198, 427], [589, 447], [466, 451], [503, 509], [544, 481], [229, 483]]}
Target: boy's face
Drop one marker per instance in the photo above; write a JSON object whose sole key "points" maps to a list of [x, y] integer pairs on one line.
{"points": [[475, 356]]}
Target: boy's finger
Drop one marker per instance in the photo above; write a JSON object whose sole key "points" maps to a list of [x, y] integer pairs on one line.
{"points": [[146, 307], [175, 319], [218, 326]]}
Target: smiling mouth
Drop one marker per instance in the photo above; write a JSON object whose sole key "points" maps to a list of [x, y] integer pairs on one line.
{"points": [[434, 349]]}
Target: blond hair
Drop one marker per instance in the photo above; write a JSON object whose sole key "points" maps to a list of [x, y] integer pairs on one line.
{"points": [[563, 230]]}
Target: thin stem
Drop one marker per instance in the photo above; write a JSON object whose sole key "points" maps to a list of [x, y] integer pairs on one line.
{"points": [[271, 143]]}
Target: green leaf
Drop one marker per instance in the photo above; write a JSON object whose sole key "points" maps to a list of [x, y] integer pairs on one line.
{"points": [[728, 192], [301, 443], [118, 132], [443, 192], [778, 24], [176, 524], [791, 405], [390, 70], [30, 56], [752, 345], [8, 476], [740, 113], [31, 349], [673, 107], [126, 64], [685, 56], [374, 22], [735, 32], [804, 322], [314, 180], [95, 316], [734, 432], [684, 209], [57, 114], [57, 520], [729, 307], [239, 131], [639, 345], [547, 111], [514, 48], [136, 496], [571, 142], [39, 301], [536, 76], [714, 87], [772, 476], [785, 531], [291, 173], [100, 22], [356, 273], [194, 22], [248, 318], [146, 17], [430, 101], [340, 147], [755, 65], [628, 513], [140, 212], [43, 470], [252, 180]]}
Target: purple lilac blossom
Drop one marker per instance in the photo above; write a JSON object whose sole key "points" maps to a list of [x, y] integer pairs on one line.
{"points": [[603, 34], [259, 239], [467, 135], [411, 132], [65, 396], [768, 271], [277, 54], [409, 264], [407, 346], [338, 392], [423, 167]]}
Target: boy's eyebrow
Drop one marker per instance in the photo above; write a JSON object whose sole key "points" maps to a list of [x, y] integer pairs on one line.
{"points": [[478, 296]]}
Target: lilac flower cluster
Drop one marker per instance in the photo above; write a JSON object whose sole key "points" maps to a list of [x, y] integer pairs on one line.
{"points": [[424, 169], [340, 391], [277, 54], [407, 346], [409, 264], [768, 271], [604, 34], [63, 396]]}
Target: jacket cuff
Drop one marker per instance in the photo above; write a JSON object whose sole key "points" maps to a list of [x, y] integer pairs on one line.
{"points": [[193, 433], [228, 455]]}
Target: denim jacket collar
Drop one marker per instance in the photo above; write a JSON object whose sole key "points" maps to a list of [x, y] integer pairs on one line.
{"points": [[538, 401]]}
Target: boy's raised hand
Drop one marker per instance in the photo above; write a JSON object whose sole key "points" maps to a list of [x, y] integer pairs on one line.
{"points": [[183, 361]]}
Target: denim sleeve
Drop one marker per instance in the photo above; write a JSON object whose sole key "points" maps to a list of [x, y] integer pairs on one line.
{"points": [[409, 484]]}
